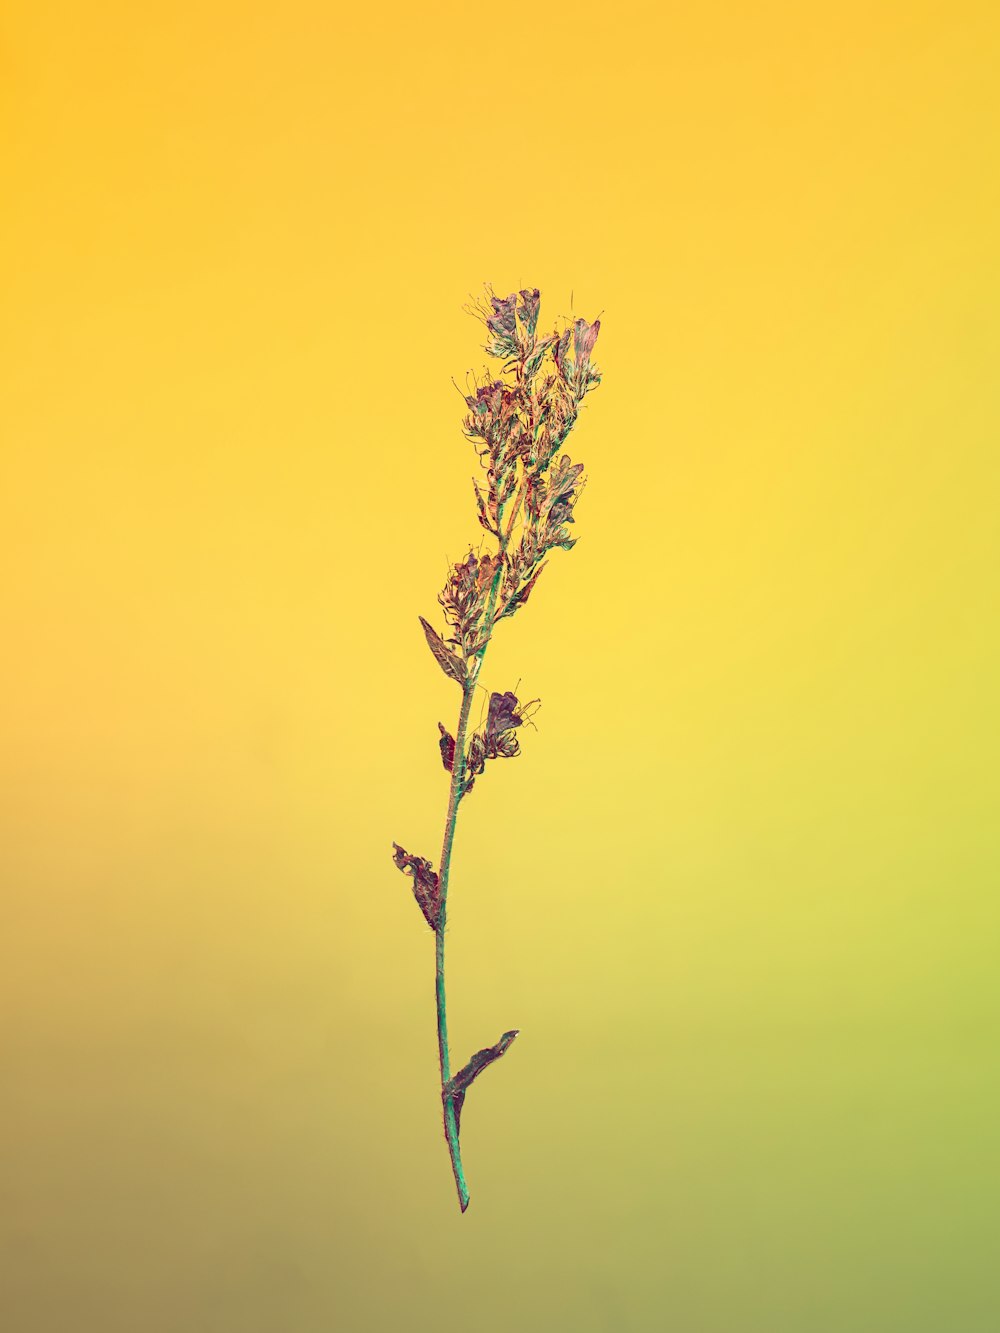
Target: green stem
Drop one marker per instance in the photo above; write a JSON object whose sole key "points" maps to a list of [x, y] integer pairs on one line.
{"points": [[454, 797]]}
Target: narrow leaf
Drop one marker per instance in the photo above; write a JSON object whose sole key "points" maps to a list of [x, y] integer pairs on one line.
{"points": [[522, 595], [450, 664], [455, 1089], [484, 517]]}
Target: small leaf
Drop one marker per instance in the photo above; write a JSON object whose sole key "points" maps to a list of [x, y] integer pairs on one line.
{"points": [[484, 517], [447, 743], [509, 486], [522, 595], [450, 664], [455, 1089], [426, 888]]}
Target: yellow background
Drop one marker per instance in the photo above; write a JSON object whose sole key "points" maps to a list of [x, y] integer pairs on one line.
{"points": [[739, 892]]}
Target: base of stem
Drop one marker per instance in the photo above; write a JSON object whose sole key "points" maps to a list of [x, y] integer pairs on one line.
{"points": [[455, 1152]]}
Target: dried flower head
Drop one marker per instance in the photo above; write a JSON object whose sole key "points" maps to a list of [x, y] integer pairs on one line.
{"points": [[497, 740], [574, 366]]}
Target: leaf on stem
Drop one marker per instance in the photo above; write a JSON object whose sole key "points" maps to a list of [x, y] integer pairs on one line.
{"points": [[455, 1089], [522, 595], [447, 744], [426, 888], [484, 516], [450, 664]]}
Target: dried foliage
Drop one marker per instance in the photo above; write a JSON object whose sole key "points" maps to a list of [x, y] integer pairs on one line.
{"points": [[456, 1088], [426, 887], [518, 418]]}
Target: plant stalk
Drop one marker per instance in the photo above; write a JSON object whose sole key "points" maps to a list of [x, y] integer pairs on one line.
{"points": [[454, 797]]}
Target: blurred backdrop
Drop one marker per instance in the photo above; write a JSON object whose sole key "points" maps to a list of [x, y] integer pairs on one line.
{"points": [[738, 893]]}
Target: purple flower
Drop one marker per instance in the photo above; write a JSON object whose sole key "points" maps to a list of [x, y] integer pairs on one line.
{"points": [[503, 714], [502, 320], [528, 309], [584, 338], [492, 414], [575, 369]]}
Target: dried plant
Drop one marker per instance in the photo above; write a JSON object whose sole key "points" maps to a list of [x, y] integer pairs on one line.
{"points": [[518, 421]]}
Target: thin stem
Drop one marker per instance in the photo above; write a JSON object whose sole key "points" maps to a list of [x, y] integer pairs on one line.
{"points": [[454, 798]]}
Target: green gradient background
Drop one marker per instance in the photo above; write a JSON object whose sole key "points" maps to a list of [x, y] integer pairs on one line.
{"points": [[739, 893]]}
